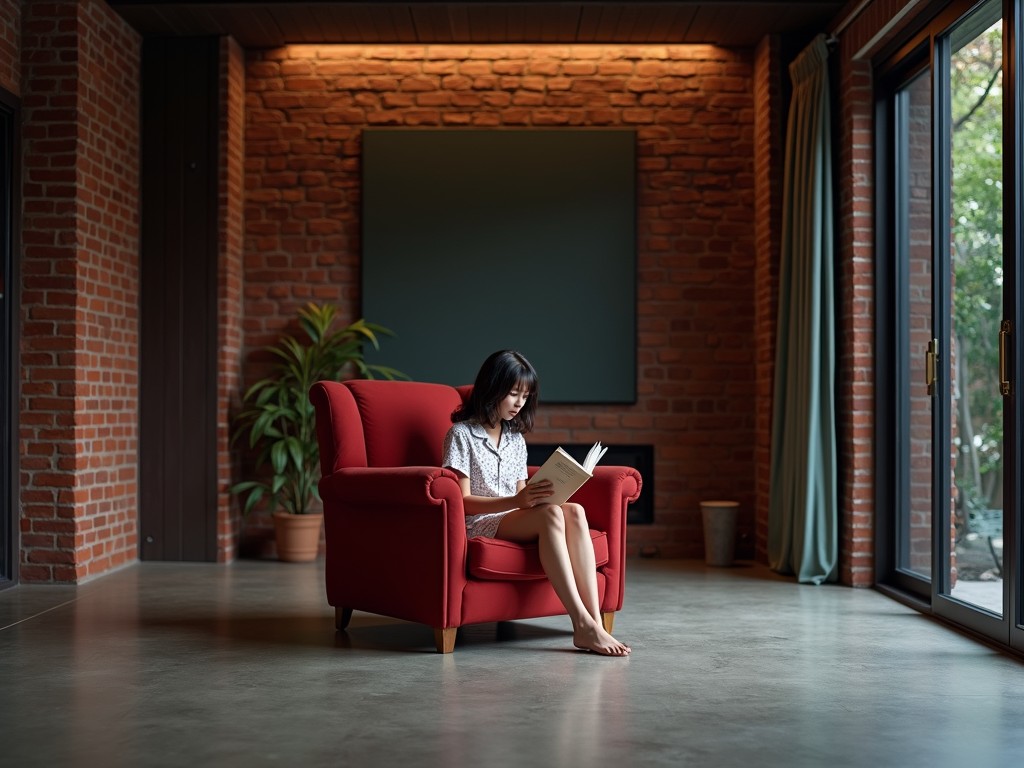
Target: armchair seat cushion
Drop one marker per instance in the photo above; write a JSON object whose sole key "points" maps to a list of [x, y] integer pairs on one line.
{"points": [[501, 560]]}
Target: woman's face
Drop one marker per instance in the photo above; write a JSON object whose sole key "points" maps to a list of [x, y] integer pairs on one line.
{"points": [[513, 402]]}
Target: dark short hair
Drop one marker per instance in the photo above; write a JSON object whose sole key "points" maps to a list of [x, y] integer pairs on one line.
{"points": [[500, 374]]}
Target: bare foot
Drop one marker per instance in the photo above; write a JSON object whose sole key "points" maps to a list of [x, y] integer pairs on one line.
{"points": [[592, 637]]}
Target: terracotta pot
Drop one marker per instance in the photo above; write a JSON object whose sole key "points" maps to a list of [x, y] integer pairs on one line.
{"points": [[298, 536]]}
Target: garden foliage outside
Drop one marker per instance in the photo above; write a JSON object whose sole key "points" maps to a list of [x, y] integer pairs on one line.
{"points": [[977, 253]]}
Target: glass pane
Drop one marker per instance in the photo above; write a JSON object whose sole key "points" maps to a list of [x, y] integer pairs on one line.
{"points": [[976, 217], [914, 140]]}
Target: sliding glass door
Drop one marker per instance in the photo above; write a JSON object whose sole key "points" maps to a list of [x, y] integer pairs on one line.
{"points": [[949, 488], [913, 227], [1012, 327], [970, 99]]}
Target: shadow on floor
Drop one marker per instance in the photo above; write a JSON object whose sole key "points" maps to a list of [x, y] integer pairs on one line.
{"points": [[366, 632]]}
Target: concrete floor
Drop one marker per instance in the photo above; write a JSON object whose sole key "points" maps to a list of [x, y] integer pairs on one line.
{"points": [[205, 665]]}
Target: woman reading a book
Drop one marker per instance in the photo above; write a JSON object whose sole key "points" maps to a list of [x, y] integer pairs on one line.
{"points": [[486, 449]]}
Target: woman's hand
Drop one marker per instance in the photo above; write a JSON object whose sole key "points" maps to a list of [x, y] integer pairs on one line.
{"points": [[532, 494]]}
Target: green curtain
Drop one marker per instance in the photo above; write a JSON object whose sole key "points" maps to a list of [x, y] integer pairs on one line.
{"points": [[802, 522]]}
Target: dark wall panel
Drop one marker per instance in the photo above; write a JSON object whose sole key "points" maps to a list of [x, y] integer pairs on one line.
{"points": [[179, 309], [477, 240]]}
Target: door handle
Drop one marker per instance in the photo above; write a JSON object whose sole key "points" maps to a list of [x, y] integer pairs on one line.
{"points": [[931, 357], [1004, 379]]}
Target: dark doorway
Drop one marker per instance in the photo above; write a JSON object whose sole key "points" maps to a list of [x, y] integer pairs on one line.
{"points": [[178, 358], [9, 180]]}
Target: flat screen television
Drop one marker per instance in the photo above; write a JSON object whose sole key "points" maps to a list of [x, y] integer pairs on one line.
{"points": [[478, 240]]}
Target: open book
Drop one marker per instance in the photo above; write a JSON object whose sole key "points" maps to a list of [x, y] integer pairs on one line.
{"points": [[566, 474]]}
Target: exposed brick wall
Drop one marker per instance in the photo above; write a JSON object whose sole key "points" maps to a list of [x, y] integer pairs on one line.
{"points": [[706, 330], [10, 45], [49, 233], [855, 353], [693, 109], [700, 114], [231, 225], [79, 433], [769, 114]]}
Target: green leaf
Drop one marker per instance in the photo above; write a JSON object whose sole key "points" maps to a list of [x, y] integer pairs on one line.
{"points": [[278, 457], [254, 498]]}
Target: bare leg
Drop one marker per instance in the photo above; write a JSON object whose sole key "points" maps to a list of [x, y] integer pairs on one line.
{"points": [[545, 525], [581, 555]]}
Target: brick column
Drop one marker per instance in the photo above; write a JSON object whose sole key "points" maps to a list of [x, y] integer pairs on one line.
{"points": [[769, 123], [79, 406], [855, 361], [231, 232]]}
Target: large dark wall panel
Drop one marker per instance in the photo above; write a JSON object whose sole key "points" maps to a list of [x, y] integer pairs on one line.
{"points": [[178, 514], [477, 240]]}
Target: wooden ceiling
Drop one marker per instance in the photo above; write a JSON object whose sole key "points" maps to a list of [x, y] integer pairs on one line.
{"points": [[272, 24]]}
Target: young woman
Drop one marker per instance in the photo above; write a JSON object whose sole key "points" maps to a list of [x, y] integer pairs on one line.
{"points": [[486, 449]]}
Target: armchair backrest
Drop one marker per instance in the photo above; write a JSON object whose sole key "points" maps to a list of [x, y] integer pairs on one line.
{"points": [[373, 423]]}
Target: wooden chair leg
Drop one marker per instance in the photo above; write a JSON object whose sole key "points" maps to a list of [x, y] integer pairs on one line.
{"points": [[444, 639], [608, 620], [342, 616]]}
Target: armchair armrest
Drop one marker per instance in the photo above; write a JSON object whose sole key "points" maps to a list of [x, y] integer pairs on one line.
{"points": [[606, 495], [391, 486], [396, 542]]}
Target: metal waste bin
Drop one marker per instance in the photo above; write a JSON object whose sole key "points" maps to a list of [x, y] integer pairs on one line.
{"points": [[719, 531]]}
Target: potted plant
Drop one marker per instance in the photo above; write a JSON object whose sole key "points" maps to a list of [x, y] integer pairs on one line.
{"points": [[280, 422]]}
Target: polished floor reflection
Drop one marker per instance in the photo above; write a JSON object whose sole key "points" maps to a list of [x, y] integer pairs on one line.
{"points": [[206, 665]]}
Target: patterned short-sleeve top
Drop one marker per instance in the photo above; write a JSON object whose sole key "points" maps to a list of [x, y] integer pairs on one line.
{"points": [[492, 471]]}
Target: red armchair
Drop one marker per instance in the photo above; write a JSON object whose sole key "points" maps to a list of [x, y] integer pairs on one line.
{"points": [[395, 526]]}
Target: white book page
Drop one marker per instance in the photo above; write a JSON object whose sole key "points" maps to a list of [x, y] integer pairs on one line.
{"points": [[593, 456]]}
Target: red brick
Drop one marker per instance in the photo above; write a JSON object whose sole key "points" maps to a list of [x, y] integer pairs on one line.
{"points": [[81, 232]]}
